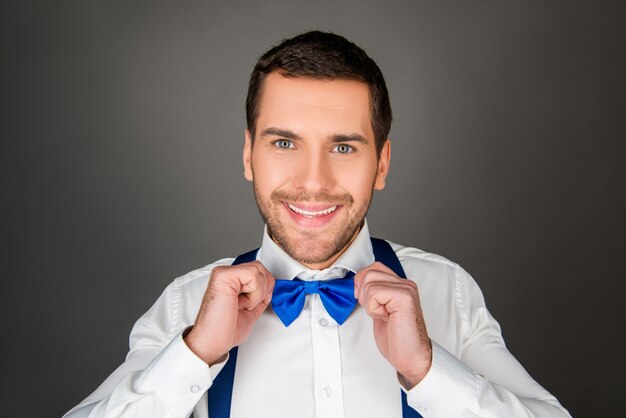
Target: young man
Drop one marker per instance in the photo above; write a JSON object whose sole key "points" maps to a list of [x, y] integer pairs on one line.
{"points": [[322, 321]]}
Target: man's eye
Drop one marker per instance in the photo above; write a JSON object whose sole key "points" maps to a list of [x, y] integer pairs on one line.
{"points": [[344, 149], [284, 144]]}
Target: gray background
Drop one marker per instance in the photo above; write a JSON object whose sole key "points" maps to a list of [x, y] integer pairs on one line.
{"points": [[122, 140]]}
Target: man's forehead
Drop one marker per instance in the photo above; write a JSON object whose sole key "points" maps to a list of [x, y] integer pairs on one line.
{"points": [[302, 103]]}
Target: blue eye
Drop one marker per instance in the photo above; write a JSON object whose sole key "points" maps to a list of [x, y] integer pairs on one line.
{"points": [[283, 144], [344, 149]]}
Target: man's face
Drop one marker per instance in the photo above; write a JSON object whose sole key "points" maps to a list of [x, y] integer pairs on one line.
{"points": [[314, 165]]}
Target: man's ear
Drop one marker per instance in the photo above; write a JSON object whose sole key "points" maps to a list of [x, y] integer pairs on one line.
{"points": [[383, 165], [247, 157]]}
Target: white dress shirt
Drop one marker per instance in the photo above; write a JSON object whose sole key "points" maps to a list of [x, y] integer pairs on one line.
{"points": [[317, 369]]}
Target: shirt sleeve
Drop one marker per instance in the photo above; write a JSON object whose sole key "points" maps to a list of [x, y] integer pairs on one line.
{"points": [[161, 376], [486, 380]]}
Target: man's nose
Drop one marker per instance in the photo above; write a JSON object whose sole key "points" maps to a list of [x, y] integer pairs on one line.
{"points": [[313, 173]]}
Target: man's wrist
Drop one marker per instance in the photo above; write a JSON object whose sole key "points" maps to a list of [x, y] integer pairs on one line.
{"points": [[410, 378], [196, 348]]}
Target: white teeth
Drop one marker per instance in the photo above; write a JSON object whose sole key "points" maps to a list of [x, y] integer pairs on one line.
{"points": [[310, 214]]}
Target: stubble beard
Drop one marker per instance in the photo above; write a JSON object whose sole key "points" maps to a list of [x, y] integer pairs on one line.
{"points": [[310, 247]]}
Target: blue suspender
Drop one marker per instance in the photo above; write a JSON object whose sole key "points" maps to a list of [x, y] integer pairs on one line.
{"points": [[386, 255], [221, 391]]}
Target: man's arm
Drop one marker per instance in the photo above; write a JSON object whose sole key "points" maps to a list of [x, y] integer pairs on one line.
{"points": [[167, 369], [161, 376], [486, 379], [452, 388], [165, 383], [482, 378]]}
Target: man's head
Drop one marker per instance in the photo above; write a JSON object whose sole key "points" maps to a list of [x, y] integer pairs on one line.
{"points": [[322, 56], [318, 152]]}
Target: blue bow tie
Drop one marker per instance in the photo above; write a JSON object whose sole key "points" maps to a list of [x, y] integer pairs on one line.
{"points": [[337, 296]]}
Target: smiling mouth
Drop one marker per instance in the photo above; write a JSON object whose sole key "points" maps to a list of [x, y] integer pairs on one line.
{"points": [[312, 214]]}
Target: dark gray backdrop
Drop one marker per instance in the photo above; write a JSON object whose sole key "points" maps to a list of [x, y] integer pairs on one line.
{"points": [[123, 143]]}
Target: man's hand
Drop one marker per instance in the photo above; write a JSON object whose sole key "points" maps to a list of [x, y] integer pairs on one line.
{"points": [[399, 328], [235, 298]]}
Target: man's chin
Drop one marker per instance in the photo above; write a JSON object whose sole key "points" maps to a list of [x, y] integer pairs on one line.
{"points": [[317, 251], [318, 247], [307, 248], [310, 252]]}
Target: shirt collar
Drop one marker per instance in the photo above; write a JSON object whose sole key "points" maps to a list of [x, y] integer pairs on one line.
{"points": [[358, 256]]}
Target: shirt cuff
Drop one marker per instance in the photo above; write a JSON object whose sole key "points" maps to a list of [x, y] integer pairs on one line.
{"points": [[448, 388], [178, 376]]}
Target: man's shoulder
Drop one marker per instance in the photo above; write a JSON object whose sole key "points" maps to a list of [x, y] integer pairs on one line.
{"points": [[200, 276], [412, 253], [417, 261]]}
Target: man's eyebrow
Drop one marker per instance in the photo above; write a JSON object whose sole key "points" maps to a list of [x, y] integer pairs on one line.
{"points": [[349, 138], [280, 132], [285, 133]]}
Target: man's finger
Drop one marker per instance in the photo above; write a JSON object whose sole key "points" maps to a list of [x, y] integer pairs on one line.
{"points": [[256, 282], [383, 298], [374, 272]]}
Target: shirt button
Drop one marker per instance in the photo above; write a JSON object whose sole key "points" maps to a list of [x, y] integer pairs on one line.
{"points": [[194, 389], [323, 322], [327, 392]]}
